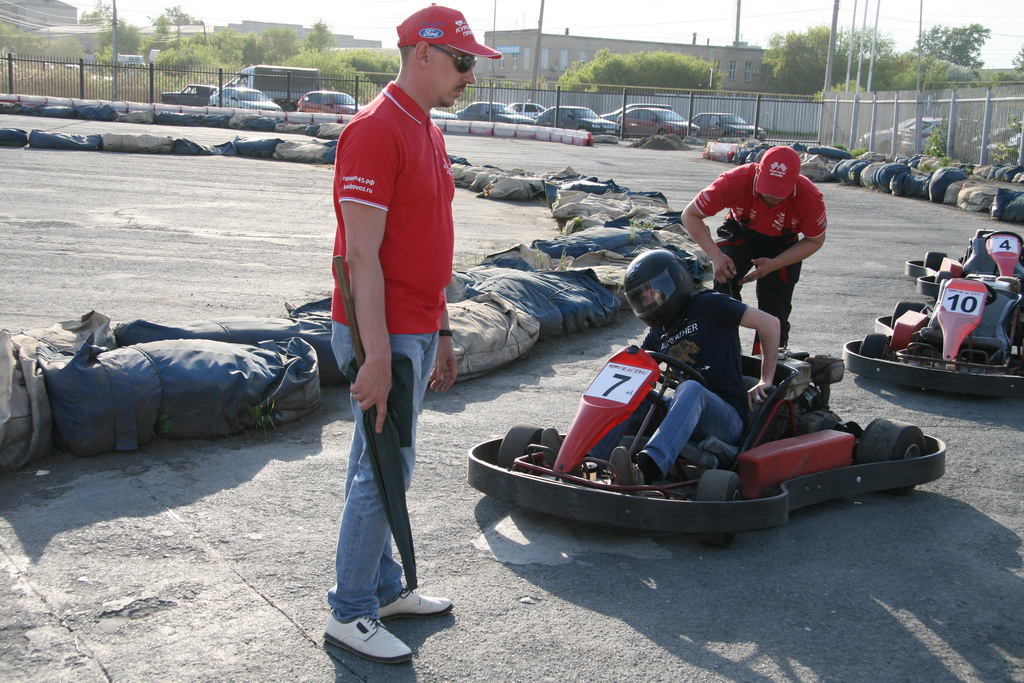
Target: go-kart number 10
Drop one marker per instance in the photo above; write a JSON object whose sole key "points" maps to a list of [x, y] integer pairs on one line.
{"points": [[962, 301], [618, 383]]}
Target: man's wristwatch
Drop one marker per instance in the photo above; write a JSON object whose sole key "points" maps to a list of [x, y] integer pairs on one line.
{"points": [[444, 333]]}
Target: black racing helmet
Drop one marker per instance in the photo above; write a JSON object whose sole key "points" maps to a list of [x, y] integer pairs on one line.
{"points": [[658, 287]]}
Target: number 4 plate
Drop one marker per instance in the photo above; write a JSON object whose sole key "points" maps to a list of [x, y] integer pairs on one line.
{"points": [[619, 383]]}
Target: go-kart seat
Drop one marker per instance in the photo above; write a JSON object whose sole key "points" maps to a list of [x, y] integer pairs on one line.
{"points": [[977, 260], [992, 334], [784, 375]]}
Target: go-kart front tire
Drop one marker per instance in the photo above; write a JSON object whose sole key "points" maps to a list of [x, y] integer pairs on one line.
{"points": [[933, 260], [718, 486], [515, 443], [874, 345], [886, 440]]}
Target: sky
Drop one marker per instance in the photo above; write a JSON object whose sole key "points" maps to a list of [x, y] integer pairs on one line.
{"points": [[655, 20]]}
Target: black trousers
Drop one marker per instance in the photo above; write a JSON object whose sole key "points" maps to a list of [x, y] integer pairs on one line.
{"points": [[774, 290]]}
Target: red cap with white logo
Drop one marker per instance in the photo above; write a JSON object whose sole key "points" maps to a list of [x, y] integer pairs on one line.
{"points": [[438, 25], [777, 172]]}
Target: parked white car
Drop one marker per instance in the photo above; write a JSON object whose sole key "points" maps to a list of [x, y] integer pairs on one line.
{"points": [[243, 98]]}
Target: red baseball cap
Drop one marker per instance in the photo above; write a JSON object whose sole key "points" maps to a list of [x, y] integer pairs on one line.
{"points": [[438, 25], [777, 172]]}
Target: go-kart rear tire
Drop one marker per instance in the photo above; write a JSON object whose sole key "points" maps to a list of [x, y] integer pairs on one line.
{"points": [[902, 307], [886, 440], [874, 345], [933, 260], [515, 443], [718, 486]]}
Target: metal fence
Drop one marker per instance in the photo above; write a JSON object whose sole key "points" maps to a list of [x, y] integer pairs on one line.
{"points": [[973, 125], [140, 83], [977, 125], [785, 119]]}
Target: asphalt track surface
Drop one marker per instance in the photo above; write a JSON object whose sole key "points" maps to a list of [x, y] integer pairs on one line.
{"points": [[210, 559]]}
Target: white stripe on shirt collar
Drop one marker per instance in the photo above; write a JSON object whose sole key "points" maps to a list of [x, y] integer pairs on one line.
{"points": [[407, 113]]}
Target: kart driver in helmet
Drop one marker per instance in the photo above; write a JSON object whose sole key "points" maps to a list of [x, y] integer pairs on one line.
{"points": [[776, 220], [700, 328]]}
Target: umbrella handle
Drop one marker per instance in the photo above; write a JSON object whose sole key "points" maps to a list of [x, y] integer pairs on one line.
{"points": [[349, 305]]}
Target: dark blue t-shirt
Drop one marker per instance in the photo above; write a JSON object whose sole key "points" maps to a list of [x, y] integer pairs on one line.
{"points": [[706, 336]]}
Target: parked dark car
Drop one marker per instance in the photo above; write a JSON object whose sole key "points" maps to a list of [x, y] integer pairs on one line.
{"points": [[492, 111], [642, 121], [614, 115], [327, 102], [725, 125], [442, 114], [577, 118], [192, 95]]}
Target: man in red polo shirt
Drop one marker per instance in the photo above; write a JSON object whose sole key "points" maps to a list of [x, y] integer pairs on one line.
{"points": [[776, 220], [393, 190]]}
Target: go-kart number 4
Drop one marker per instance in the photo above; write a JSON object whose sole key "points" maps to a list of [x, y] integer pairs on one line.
{"points": [[618, 383], [1005, 243], [963, 301]]}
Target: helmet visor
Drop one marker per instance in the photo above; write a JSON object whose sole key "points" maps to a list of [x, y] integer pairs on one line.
{"points": [[647, 298]]}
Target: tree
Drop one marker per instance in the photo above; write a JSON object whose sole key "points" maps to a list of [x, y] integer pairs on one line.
{"points": [[370, 62], [319, 38], [795, 62], [102, 14], [279, 44], [179, 17], [1018, 61], [960, 45], [16, 41], [129, 41], [643, 69]]}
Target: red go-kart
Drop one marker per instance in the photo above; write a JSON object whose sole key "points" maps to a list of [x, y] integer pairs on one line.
{"points": [[992, 256], [795, 452], [968, 341]]}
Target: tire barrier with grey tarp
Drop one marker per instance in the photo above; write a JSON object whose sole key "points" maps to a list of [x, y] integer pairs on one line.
{"points": [[123, 398], [26, 424]]}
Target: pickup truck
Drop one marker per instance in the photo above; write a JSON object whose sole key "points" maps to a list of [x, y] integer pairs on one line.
{"points": [[191, 95]]}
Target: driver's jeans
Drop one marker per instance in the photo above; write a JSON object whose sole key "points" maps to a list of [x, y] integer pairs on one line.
{"points": [[693, 413], [367, 574]]}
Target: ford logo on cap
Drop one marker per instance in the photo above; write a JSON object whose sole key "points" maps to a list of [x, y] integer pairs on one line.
{"points": [[431, 33]]}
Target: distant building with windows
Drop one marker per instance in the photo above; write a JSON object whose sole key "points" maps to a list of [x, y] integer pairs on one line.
{"points": [[740, 64], [31, 15]]}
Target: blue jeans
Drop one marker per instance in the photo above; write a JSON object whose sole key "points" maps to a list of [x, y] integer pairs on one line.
{"points": [[367, 574], [697, 413]]}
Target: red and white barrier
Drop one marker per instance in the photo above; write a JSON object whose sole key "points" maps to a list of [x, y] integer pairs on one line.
{"points": [[447, 126]]}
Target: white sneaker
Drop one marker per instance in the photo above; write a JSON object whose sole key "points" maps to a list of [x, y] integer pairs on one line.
{"points": [[412, 604], [367, 638]]}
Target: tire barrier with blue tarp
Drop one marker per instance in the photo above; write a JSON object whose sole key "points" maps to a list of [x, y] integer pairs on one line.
{"points": [[120, 399]]}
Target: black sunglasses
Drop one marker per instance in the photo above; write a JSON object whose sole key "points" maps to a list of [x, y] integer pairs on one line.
{"points": [[463, 63]]}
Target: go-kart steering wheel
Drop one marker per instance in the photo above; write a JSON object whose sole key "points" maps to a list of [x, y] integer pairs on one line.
{"points": [[681, 370]]}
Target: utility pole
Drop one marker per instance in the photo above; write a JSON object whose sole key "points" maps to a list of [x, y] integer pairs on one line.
{"points": [[736, 40], [874, 36], [860, 54], [849, 58], [113, 46], [536, 49], [830, 62]]}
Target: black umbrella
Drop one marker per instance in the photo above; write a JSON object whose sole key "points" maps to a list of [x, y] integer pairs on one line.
{"points": [[385, 448]]}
